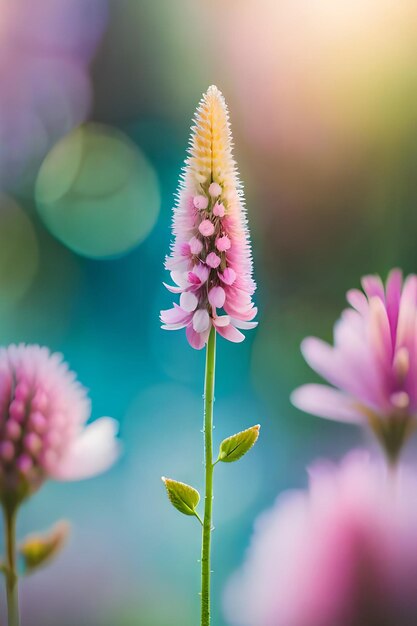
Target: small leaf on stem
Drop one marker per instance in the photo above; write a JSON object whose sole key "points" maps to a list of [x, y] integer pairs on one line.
{"points": [[183, 497], [38, 549], [234, 447]]}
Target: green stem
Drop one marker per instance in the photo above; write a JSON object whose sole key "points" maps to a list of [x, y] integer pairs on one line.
{"points": [[10, 514], [208, 458]]}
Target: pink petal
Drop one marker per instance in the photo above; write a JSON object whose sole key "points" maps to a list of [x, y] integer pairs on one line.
{"points": [[373, 286], [221, 320], [217, 297], [223, 243], [93, 452], [393, 296], [407, 312], [180, 278], [201, 320], [213, 260], [173, 289], [197, 340], [200, 202], [228, 277], [242, 324], [358, 301], [214, 190], [230, 333], [196, 245], [245, 314], [199, 275], [326, 402], [185, 249], [175, 316], [188, 301], [380, 332], [206, 228], [218, 210]]}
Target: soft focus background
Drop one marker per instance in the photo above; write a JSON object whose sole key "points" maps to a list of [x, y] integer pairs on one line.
{"points": [[96, 100]]}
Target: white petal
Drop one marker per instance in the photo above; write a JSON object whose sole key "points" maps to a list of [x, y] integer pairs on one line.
{"points": [[188, 301], [180, 278], [327, 402], [93, 452], [201, 320], [242, 324]]}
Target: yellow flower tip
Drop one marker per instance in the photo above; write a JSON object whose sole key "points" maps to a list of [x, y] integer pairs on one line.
{"points": [[210, 153]]}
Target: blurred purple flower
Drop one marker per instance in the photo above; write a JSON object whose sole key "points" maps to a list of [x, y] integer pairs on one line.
{"points": [[45, 48], [43, 412], [373, 362], [344, 553]]}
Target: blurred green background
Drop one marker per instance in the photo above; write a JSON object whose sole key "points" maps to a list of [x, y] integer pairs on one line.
{"points": [[95, 107]]}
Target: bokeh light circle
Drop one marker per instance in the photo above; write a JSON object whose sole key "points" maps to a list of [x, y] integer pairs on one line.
{"points": [[19, 253], [97, 193]]}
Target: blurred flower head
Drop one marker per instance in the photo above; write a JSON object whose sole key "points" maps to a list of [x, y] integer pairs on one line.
{"points": [[344, 552], [211, 261], [45, 49], [43, 413], [373, 363]]}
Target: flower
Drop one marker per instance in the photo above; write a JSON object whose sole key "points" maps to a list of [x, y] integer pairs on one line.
{"points": [[43, 413], [344, 552], [46, 48], [210, 260], [373, 362]]}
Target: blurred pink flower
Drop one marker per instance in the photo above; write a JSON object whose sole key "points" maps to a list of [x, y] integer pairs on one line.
{"points": [[343, 553], [43, 431], [373, 362], [211, 261]]}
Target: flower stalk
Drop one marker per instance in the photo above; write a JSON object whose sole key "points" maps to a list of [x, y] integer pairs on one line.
{"points": [[10, 514], [209, 470], [210, 263]]}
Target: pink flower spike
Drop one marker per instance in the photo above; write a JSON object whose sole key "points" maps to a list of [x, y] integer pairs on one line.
{"points": [[223, 243], [210, 160], [217, 297], [373, 362], [215, 190], [206, 228], [200, 202], [47, 388], [219, 210], [213, 260], [196, 245]]}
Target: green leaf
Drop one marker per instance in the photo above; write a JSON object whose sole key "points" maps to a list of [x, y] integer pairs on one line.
{"points": [[234, 447], [39, 549], [183, 497]]}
